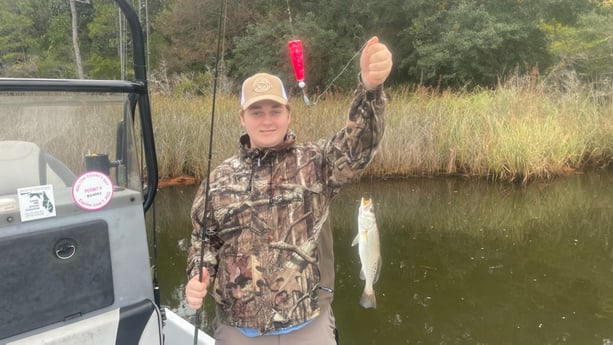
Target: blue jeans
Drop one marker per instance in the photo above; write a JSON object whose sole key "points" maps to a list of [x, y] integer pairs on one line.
{"points": [[319, 332]]}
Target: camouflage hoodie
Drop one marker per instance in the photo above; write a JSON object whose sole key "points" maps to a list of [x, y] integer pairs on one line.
{"points": [[268, 243]]}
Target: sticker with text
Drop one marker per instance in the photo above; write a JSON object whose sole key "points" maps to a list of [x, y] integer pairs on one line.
{"points": [[36, 202], [92, 190]]}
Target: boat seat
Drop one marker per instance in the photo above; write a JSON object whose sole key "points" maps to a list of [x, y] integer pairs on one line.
{"points": [[24, 164]]}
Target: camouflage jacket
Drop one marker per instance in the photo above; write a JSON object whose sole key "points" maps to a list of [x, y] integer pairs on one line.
{"points": [[268, 243]]}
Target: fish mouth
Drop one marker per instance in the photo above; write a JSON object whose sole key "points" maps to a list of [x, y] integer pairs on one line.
{"points": [[366, 201]]}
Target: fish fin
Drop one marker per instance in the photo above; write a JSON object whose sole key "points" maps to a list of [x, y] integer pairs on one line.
{"points": [[362, 275], [368, 300], [356, 240], [376, 277]]}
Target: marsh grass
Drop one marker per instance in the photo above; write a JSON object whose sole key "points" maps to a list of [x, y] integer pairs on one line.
{"points": [[56, 123], [514, 133]]}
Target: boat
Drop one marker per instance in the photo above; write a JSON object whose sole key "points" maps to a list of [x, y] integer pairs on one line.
{"points": [[78, 174]]}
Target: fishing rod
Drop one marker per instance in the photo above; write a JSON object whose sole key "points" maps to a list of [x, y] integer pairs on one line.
{"points": [[203, 235]]}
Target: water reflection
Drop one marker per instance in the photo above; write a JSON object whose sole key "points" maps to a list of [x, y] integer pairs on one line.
{"points": [[464, 262]]}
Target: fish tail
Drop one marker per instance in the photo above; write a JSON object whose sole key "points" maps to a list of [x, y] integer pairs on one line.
{"points": [[368, 299]]}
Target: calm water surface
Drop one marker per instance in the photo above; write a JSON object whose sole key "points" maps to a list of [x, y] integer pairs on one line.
{"points": [[464, 261]]}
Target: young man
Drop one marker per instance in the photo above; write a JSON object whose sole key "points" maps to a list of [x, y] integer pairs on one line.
{"points": [[268, 241]]}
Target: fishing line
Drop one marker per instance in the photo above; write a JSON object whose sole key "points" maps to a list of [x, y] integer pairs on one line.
{"points": [[289, 15], [340, 73], [297, 57], [335, 78], [204, 234]]}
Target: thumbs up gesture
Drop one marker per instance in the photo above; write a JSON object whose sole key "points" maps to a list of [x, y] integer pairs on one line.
{"points": [[375, 63]]}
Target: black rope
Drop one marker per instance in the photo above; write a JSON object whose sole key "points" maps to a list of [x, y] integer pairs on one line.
{"points": [[210, 158]]}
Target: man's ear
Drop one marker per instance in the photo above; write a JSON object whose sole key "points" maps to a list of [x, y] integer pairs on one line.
{"points": [[241, 115]]}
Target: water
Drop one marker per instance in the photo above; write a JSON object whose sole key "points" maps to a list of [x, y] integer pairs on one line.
{"points": [[464, 261]]}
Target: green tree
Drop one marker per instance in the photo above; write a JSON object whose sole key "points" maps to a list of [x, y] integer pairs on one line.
{"points": [[104, 60], [16, 38], [186, 32], [456, 43], [585, 47], [466, 43]]}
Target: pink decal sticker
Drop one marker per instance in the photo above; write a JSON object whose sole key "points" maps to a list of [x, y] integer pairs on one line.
{"points": [[92, 190]]}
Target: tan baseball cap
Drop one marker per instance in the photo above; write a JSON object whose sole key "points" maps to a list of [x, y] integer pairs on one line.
{"points": [[262, 86]]}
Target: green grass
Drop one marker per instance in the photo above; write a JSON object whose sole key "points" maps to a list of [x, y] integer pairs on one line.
{"points": [[508, 134]]}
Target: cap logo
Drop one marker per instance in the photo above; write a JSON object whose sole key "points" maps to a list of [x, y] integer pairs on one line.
{"points": [[262, 85]]}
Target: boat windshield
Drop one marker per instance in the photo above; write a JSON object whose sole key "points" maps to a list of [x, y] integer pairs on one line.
{"points": [[52, 138]]}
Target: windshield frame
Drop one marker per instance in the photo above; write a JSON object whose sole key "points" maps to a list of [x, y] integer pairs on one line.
{"points": [[137, 90]]}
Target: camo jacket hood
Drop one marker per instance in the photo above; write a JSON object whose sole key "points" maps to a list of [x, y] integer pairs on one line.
{"points": [[268, 243]]}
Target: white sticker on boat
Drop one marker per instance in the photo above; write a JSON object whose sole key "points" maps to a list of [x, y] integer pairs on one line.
{"points": [[36, 202], [92, 190]]}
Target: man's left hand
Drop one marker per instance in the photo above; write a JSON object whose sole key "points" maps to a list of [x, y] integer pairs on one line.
{"points": [[375, 63]]}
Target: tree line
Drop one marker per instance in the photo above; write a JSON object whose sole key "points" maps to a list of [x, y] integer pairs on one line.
{"points": [[438, 43]]}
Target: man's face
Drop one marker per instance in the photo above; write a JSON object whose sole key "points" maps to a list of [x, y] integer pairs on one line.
{"points": [[266, 122]]}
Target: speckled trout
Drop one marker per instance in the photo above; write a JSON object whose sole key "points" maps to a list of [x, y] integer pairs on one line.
{"points": [[370, 254]]}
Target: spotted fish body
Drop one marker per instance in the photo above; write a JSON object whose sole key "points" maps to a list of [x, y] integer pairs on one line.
{"points": [[369, 250]]}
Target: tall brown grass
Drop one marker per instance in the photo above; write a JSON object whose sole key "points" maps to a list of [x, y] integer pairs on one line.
{"points": [[512, 133]]}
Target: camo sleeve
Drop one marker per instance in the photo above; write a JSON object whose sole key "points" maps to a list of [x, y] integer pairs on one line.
{"points": [[209, 244], [352, 148]]}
